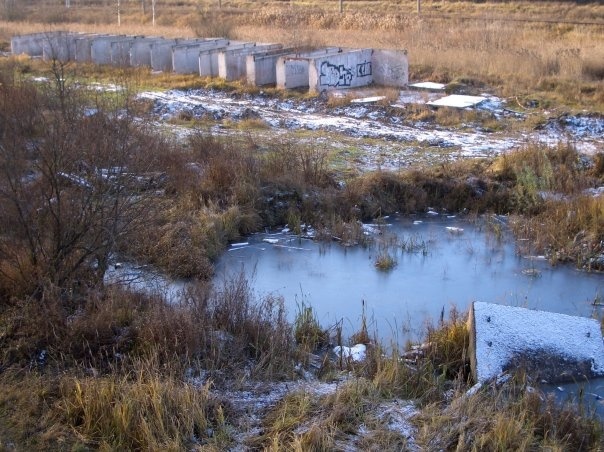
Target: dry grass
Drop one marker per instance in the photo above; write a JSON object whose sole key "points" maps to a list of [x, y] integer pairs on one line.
{"points": [[515, 417], [147, 410]]}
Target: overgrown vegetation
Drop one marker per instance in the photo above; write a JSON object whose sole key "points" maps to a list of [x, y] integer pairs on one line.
{"points": [[84, 179]]}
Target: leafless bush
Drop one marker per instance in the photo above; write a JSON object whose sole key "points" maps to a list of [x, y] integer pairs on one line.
{"points": [[71, 184]]}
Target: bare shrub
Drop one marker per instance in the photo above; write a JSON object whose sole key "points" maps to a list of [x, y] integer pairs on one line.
{"points": [[69, 184]]}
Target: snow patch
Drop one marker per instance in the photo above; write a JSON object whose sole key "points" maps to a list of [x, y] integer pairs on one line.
{"points": [[356, 353]]}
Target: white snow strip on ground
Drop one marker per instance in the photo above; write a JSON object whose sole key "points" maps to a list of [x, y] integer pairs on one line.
{"points": [[503, 331], [367, 100], [458, 101]]}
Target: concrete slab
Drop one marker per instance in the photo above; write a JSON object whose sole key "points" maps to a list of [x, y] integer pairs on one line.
{"points": [[232, 64], [292, 71], [416, 97], [390, 67], [208, 58], [551, 347], [429, 86], [457, 101], [348, 69], [185, 57], [368, 100]]}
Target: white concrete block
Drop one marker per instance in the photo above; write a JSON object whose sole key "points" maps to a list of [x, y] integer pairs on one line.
{"points": [[550, 346]]}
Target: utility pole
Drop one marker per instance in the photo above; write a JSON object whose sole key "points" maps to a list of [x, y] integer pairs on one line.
{"points": [[67, 3], [341, 6], [119, 19], [153, 11], [419, 7]]}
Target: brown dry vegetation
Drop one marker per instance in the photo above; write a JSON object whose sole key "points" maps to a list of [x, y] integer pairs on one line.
{"points": [[85, 366]]}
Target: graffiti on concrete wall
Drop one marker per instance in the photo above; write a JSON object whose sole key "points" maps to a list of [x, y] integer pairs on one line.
{"points": [[364, 69], [335, 75]]}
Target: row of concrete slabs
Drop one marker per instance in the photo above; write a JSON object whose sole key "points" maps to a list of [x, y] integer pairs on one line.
{"points": [[258, 63]]}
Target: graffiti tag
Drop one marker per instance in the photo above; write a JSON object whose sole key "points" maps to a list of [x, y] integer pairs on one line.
{"points": [[364, 69], [332, 75]]}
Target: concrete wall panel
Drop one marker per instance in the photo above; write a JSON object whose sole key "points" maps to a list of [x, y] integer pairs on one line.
{"points": [[161, 54], [60, 46], [232, 63], [30, 44], [140, 51], [208, 58], [120, 50], [390, 67], [349, 69], [100, 50], [83, 48], [292, 72], [261, 67], [185, 57]]}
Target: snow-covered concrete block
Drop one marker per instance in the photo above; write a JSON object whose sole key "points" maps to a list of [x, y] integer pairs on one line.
{"points": [[549, 346]]}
